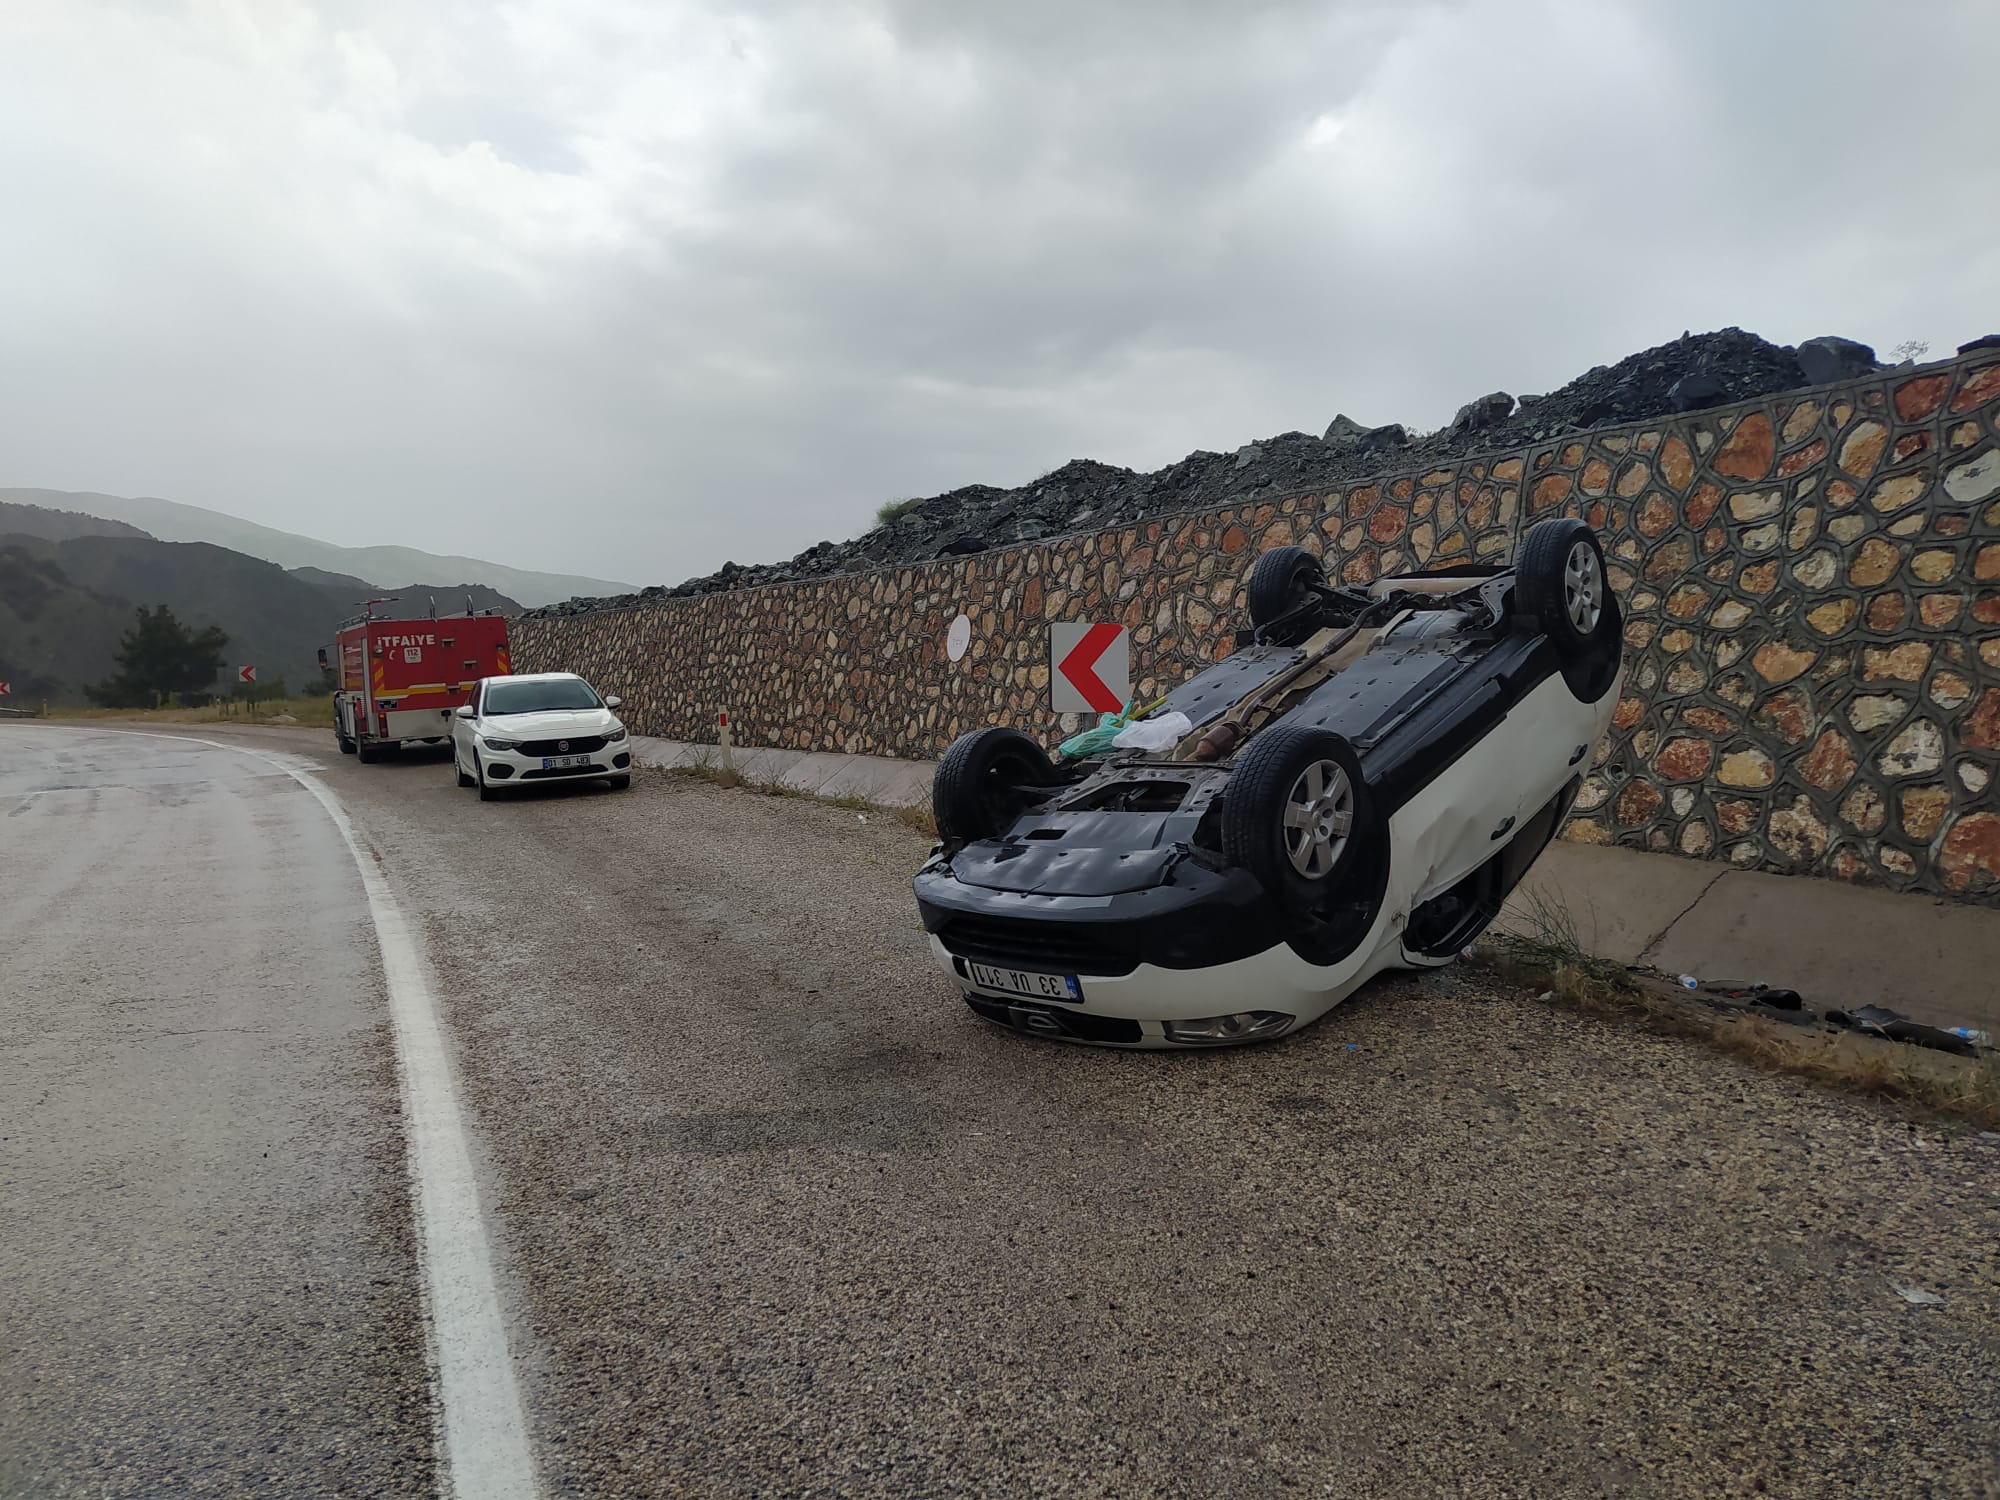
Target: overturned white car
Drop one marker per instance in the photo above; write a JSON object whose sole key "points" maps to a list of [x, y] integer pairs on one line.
{"points": [[1358, 788]]}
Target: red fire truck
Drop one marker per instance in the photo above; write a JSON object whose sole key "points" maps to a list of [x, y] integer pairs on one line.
{"points": [[400, 679]]}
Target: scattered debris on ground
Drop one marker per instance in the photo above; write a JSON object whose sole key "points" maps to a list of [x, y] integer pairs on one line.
{"points": [[1951, 1072], [1694, 371]]}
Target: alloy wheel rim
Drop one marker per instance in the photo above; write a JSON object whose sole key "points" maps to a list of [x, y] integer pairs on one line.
{"points": [[1319, 818], [1583, 588]]}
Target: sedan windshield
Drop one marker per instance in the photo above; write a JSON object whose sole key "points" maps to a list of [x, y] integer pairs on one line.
{"points": [[538, 697]]}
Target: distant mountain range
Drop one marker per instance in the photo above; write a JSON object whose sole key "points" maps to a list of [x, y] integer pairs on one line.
{"points": [[69, 583], [384, 567]]}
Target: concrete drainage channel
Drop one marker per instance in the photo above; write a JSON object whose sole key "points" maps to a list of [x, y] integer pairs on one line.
{"points": [[871, 778]]}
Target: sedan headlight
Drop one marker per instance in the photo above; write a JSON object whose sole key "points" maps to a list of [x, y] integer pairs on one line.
{"points": [[495, 744], [614, 734], [1218, 1031]]}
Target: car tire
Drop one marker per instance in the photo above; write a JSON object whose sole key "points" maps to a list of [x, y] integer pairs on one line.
{"points": [[1282, 582], [486, 792], [620, 783], [982, 783], [1559, 579], [1295, 814], [459, 771]]}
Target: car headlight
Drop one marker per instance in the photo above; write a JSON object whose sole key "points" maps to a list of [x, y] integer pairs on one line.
{"points": [[492, 744], [614, 734], [1218, 1031]]}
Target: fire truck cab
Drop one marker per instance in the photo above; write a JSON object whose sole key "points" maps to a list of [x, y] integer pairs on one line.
{"points": [[399, 680]]}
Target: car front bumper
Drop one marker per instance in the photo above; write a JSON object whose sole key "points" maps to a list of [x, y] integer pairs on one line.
{"points": [[1150, 963], [1155, 1008], [511, 767]]}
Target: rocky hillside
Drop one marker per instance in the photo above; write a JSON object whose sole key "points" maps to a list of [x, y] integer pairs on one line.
{"points": [[1694, 371], [58, 525], [393, 567], [65, 603]]}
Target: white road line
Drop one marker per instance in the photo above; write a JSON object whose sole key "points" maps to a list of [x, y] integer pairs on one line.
{"points": [[485, 1436]]}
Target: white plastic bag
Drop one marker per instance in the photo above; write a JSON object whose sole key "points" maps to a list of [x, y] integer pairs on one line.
{"points": [[1154, 735]]}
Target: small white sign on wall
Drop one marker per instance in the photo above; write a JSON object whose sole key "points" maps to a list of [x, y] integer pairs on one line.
{"points": [[958, 638]]}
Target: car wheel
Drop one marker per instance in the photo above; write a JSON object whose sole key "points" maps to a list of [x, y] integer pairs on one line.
{"points": [[486, 792], [621, 783], [1559, 578], [459, 770], [1295, 812], [1282, 583], [983, 783]]}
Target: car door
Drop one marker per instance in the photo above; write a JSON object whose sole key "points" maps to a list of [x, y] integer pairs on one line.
{"points": [[462, 730]]}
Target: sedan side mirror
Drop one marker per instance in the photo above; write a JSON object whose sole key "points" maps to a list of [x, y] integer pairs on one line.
{"points": [[465, 711], [613, 701]]}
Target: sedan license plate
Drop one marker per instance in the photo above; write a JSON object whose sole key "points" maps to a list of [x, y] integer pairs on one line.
{"points": [[563, 762], [1025, 982]]}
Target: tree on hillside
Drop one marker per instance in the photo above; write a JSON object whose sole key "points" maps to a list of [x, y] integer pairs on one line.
{"points": [[157, 656]]}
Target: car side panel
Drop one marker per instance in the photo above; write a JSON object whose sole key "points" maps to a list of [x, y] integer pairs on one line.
{"points": [[1465, 813]]}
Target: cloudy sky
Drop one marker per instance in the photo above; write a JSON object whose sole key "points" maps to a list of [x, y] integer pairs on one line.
{"points": [[629, 287]]}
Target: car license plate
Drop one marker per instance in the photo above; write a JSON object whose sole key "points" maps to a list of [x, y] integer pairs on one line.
{"points": [[563, 762], [1025, 982]]}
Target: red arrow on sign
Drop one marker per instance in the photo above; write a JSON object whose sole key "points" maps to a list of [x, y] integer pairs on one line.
{"points": [[247, 674], [1077, 667], [6, 688]]}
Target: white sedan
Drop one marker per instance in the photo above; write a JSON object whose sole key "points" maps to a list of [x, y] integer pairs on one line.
{"points": [[540, 726]]}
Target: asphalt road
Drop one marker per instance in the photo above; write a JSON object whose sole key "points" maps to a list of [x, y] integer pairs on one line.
{"points": [[773, 1214], [204, 1252]]}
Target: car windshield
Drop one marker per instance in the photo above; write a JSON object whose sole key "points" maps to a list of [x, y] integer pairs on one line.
{"points": [[534, 697]]}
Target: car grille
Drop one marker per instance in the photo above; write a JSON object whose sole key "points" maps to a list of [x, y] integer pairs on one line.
{"points": [[581, 745], [1046, 947], [1048, 1020]]}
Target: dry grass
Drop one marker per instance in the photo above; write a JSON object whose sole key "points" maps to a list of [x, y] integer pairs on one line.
{"points": [[918, 818], [1542, 952], [314, 713]]}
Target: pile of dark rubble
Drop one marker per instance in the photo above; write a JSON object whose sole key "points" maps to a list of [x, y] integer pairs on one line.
{"points": [[1692, 372]]}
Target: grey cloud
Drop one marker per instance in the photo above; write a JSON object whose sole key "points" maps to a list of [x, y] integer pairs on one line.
{"points": [[629, 289]]}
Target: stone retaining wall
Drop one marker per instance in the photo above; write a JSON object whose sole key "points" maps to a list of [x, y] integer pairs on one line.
{"points": [[1811, 583]]}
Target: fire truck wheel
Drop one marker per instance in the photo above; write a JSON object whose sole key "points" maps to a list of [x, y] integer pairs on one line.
{"points": [[369, 753], [620, 783]]}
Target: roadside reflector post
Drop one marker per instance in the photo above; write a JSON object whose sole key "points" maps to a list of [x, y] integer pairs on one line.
{"points": [[722, 738]]}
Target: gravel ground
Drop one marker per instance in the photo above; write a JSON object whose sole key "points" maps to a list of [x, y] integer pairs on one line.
{"points": [[785, 1218], [777, 1215]]}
